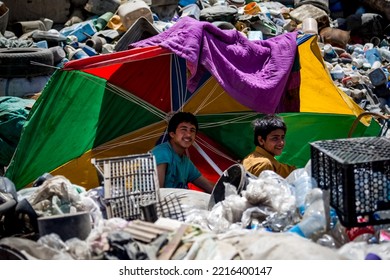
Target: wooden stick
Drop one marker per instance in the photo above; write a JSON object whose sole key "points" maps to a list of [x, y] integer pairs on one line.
{"points": [[171, 247]]}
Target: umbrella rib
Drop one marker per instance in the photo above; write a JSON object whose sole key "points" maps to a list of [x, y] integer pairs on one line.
{"points": [[237, 119], [135, 99], [214, 150], [206, 101], [131, 97], [107, 146], [181, 90], [208, 159]]}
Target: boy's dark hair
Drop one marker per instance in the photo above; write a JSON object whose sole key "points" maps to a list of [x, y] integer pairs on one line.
{"points": [[180, 117], [265, 125]]}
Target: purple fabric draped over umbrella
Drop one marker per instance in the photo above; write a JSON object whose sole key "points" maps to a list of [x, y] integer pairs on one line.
{"points": [[256, 73]]}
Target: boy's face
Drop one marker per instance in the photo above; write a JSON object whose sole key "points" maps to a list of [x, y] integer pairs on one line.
{"points": [[274, 143], [184, 135]]}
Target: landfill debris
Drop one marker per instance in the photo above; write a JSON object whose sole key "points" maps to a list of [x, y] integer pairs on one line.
{"points": [[354, 39]]}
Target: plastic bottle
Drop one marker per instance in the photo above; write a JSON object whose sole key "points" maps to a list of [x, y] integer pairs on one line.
{"points": [[385, 54], [101, 22], [313, 221], [310, 226], [329, 53], [302, 186], [337, 72], [373, 57], [130, 11], [73, 54]]}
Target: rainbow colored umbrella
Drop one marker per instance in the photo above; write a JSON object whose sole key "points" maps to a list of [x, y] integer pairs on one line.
{"points": [[118, 104]]}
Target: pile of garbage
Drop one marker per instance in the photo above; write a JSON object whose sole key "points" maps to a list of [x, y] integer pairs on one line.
{"points": [[282, 214], [270, 218], [353, 38]]}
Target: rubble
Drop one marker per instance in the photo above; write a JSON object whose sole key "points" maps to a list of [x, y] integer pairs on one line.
{"points": [[359, 41]]}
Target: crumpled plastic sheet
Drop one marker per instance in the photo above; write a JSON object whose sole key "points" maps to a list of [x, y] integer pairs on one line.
{"points": [[76, 248], [263, 197], [271, 190]]}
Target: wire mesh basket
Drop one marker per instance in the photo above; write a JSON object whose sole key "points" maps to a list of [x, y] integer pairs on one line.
{"points": [[170, 207], [131, 188]]}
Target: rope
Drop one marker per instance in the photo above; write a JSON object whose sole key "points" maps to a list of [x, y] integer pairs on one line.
{"points": [[357, 120]]}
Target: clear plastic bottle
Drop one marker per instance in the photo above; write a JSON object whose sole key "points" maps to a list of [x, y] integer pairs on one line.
{"points": [[310, 226], [313, 222], [385, 54], [302, 186]]}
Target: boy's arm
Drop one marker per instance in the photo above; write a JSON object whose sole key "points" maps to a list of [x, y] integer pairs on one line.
{"points": [[161, 169], [204, 184]]}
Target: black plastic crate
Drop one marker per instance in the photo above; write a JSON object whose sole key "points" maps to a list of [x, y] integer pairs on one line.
{"points": [[356, 171]]}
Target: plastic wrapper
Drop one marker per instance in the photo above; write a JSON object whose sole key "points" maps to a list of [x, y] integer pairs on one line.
{"points": [[53, 241], [258, 213], [271, 190], [279, 222], [78, 249], [227, 212], [59, 191], [198, 217]]}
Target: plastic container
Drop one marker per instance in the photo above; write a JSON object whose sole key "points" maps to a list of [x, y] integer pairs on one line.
{"points": [[75, 225], [337, 73], [252, 8], [81, 31], [356, 172], [99, 7], [191, 10], [96, 42], [101, 22], [329, 53], [132, 10], [310, 26], [377, 77], [74, 54], [373, 56]]}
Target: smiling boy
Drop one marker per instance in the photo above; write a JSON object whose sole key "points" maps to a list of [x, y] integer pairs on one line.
{"points": [[269, 139], [174, 168]]}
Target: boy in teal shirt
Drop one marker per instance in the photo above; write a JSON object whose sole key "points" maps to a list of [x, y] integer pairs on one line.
{"points": [[174, 168]]}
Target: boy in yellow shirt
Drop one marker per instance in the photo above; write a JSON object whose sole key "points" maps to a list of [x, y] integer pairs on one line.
{"points": [[269, 139]]}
